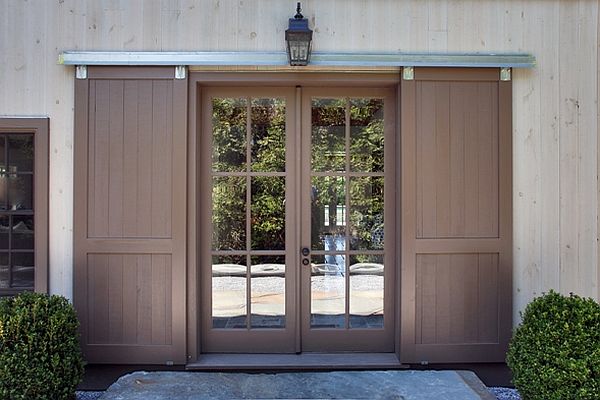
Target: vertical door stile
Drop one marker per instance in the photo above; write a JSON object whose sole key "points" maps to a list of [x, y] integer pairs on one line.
{"points": [[298, 143]]}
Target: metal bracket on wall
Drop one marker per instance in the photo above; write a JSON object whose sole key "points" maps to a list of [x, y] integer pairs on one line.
{"points": [[180, 72], [505, 74], [408, 73], [81, 72]]}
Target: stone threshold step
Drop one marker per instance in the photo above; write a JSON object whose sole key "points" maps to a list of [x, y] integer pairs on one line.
{"points": [[392, 384]]}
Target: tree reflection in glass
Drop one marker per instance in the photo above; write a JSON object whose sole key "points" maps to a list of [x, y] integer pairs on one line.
{"points": [[229, 134], [229, 213], [366, 135], [268, 135]]}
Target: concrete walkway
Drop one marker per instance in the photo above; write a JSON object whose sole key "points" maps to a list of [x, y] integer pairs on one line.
{"points": [[401, 385]]}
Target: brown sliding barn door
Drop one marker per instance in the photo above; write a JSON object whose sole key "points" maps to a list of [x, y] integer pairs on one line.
{"points": [[129, 222], [456, 216]]}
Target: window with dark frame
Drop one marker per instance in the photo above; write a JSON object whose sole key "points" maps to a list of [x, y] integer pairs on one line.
{"points": [[17, 258], [24, 162]]}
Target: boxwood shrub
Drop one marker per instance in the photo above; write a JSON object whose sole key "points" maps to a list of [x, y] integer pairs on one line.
{"points": [[40, 356], [555, 352]]}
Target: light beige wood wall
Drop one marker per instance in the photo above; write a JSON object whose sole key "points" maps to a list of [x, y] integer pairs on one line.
{"points": [[556, 111]]}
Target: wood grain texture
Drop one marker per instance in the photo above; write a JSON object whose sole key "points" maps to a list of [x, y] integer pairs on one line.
{"points": [[456, 218], [457, 298], [457, 158], [131, 147], [129, 299], [130, 228], [555, 105]]}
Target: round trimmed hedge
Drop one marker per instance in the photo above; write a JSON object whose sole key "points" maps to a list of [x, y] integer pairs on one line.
{"points": [[555, 352], [40, 356]]}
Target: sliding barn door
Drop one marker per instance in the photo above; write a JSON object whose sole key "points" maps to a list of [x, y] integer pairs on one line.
{"points": [[456, 216], [129, 222]]}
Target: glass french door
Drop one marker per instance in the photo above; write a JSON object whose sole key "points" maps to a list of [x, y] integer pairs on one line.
{"points": [[296, 238]]}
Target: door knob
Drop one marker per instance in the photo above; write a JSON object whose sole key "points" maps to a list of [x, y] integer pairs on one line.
{"points": [[305, 251]]}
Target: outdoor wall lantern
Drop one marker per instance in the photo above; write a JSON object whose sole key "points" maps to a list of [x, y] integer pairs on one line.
{"points": [[298, 39]]}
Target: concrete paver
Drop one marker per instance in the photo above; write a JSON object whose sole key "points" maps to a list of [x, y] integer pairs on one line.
{"points": [[400, 385]]}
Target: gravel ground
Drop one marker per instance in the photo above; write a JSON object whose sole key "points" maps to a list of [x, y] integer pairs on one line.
{"points": [[505, 393], [88, 395]]}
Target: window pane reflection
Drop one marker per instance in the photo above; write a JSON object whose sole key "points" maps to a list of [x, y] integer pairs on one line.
{"points": [[328, 292], [20, 192], [229, 292], [366, 291], [267, 300], [229, 213], [366, 213], [328, 134], [4, 271], [366, 135], [328, 213], [22, 270], [229, 134], [20, 153], [268, 135], [268, 213], [22, 232], [4, 230]]}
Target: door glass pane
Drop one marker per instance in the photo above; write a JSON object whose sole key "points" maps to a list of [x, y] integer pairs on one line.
{"points": [[267, 275], [366, 135], [229, 292], [268, 135], [20, 153], [229, 121], [366, 213], [328, 291], [268, 213], [366, 291], [229, 213], [328, 213], [328, 135]]}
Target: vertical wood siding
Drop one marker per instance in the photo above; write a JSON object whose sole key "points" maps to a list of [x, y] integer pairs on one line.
{"points": [[555, 105]]}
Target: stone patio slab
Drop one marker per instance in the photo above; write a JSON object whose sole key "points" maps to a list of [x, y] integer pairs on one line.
{"points": [[400, 385]]}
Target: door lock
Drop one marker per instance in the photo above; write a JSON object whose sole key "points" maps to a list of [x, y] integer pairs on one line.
{"points": [[305, 251], [305, 261]]}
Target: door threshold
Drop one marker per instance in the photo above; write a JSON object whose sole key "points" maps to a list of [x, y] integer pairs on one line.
{"points": [[296, 362]]}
